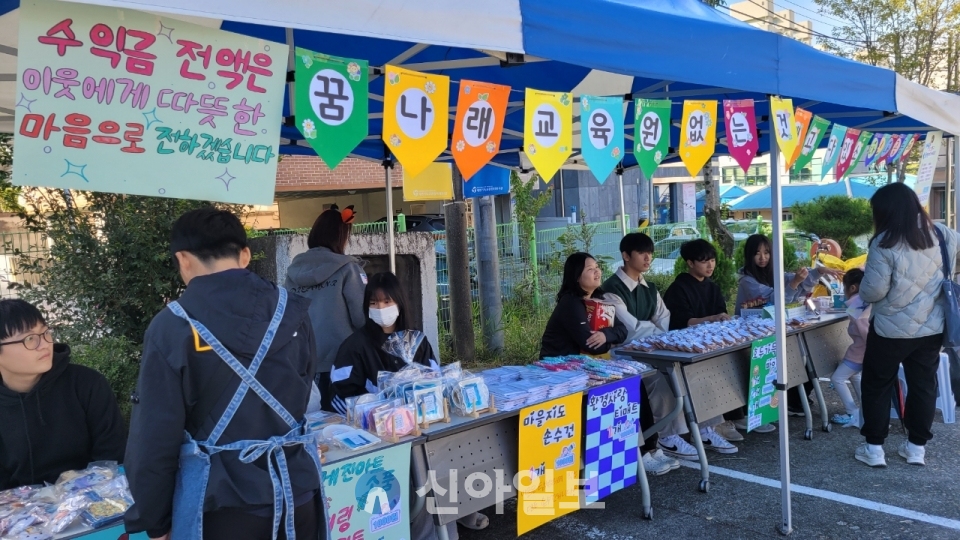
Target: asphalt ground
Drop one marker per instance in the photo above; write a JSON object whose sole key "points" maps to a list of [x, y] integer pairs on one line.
{"points": [[853, 501]]}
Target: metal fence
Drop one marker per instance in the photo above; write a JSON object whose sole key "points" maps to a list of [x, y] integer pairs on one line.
{"points": [[13, 247]]}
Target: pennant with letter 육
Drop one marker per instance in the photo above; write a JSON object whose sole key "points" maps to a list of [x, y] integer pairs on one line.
{"points": [[837, 133], [415, 110], [741, 124], [481, 109], [815, 134], [331, 103], [548, 130], [907, 148], [847, 148], [873, 150], [863, 142], [601, 128], [801, 118], [698, 134], [783, 124], [651, 133]]}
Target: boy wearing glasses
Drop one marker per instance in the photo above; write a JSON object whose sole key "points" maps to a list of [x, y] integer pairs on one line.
{"points": [[56, 416]]}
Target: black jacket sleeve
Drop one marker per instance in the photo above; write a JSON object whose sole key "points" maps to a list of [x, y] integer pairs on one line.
{"points": [[573, 318], [351, 370], [425, 355], [677, 300], [108, 431], [616, 335]]}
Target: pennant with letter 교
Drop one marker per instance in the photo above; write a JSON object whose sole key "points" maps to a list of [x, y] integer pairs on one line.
{"points": [[481, 109], [847, 147], [802, 118], [548, 130], [415, 111], [815, 134], [784, 126], [740, 121], [837, 134], [698, 134], [601, 139], [651, 133]]}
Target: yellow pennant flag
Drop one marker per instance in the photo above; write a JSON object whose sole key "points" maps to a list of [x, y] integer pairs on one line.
{"points": [[435, 183], [698, 134], [548, 130], [784, 125], [415, 110]]}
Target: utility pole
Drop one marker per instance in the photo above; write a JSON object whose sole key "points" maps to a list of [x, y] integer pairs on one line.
{"points": [[488, 270], [458, 267]]}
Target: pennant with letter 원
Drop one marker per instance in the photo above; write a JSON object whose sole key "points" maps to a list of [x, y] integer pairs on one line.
{"points": [[651, 133], [481, 109], [601, 129], [698, 134], [740, 121], [548, 130], [415, 110]]}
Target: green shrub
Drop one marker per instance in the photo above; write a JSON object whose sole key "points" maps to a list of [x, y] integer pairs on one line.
{"points": [[117, 358], [661, 281]]}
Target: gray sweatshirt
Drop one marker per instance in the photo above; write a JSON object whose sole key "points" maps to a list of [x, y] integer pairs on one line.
{"points": [[334, 284]]}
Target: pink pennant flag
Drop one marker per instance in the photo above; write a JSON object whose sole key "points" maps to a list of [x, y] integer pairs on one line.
{"points": [[741, 124], [846, 153]]}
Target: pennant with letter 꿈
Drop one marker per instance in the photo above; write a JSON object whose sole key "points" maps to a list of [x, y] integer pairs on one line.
{"points": [[331, 102], [801, 118], [548, 130], [863, 142], [818, 129], [601, 129], [850, 139], [741, 124], [698, 134], [837, 134], [907, 148], [898, 143], [873, 149], [415, 110], [651, 133], [783, 125], [481, 109]]}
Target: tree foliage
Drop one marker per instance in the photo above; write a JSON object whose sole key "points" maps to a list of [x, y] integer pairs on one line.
{"points": [[724, 274], [838, 217], [9, 194]]}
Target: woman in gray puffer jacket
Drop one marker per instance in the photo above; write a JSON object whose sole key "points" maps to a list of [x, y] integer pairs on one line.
{"points": [[902, 281]]}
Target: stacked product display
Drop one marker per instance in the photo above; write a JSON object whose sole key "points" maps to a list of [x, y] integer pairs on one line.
{"points": [[707, 337]]}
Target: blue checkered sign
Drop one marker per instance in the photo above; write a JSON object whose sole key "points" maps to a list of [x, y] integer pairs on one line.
{"points": [[613, 438]]}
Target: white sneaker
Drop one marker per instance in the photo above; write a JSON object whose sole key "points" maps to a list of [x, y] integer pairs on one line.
{"points": [[728, 431], [766, 428], [912, 453], [873, 457], [654, 466], [713, 441], [674, 446], [663, 458]]}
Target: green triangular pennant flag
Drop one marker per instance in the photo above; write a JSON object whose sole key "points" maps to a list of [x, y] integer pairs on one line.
{"points": [[651, 133]]}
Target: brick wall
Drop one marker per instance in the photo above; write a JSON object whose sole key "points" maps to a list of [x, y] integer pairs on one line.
{"points": [[301, 173]]}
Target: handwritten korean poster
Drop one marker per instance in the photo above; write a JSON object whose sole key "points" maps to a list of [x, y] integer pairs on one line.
{"points": [[367, 496], [122, 101], [612, 438], [763, 400]]}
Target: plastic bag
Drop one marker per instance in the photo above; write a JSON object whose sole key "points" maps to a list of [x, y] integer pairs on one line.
{"points": [[103, 511], [71, 482], [398, 421], [469, 394], [349, 437]]}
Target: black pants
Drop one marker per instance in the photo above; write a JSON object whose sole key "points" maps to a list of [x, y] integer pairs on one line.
{"points": [[230, 523], [794, 396], [326, 395], [646, 420], [881, 363]]}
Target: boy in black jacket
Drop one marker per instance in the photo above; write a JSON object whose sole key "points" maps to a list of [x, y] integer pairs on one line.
{"points": [[186, 385], [56, 416]]}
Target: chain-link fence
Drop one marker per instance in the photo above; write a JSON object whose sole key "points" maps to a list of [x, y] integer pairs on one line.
{"points": [[14, 246]]}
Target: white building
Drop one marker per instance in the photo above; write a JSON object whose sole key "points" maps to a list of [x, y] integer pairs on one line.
{"points": [[764, 14]]}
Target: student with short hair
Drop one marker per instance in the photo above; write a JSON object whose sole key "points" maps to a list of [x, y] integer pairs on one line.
{"points": [[218, 416], [693, 298], [851, 366]]}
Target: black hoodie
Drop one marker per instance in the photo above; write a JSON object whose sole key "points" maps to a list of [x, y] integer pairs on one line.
{"points": [[69, 419], [178, 369]]}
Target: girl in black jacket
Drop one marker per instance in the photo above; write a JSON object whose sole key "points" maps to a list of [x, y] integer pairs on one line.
{"points": [[385, 343]]}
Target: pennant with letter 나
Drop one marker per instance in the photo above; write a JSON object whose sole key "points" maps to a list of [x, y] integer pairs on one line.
{"points": [[740, 121], [801, 118], [847, 148], [783, 123], [651, 133], [548, 130], [601, 128], [415, 110], [837, 134], [818, 128], [481, 109], [331, 101], [698, 134]]}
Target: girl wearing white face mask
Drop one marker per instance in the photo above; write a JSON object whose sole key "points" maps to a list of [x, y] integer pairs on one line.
{"points": [[375, 347]]}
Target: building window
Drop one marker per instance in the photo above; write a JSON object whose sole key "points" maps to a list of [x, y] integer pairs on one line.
{"points": [[755, 175], [787, 216], [750, 215]]}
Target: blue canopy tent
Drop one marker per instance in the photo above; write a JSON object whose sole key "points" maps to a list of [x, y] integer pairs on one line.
{"points": [[675, 49]]}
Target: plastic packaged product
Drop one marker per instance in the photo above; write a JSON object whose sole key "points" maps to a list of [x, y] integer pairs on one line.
{"points": [[428, 399], [470, 395], [349, 438], [316, 421], [398, 421], [103, 511], [68, 512], [600, 314], [79, 481]]}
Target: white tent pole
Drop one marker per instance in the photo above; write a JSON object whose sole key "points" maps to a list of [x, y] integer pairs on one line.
{"points": [[623, 208], [391, 240], [779, 282], [846, 181], [956, 181]]}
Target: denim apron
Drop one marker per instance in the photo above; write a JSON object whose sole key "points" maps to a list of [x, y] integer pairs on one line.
{"points": [[194, 469]]}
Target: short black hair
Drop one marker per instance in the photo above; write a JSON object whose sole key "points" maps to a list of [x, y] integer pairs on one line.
{"points": [[636, 241], [389, 285], [209, 234], [853, 277], [18, 316], [698, 250]]}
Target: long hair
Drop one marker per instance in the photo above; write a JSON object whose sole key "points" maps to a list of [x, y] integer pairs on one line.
{"points": [[750, 249], [330, 231], [572, 270], [900, 218], [389, 285]]}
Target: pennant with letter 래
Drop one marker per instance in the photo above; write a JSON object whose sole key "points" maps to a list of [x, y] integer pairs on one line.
{"points": [[698, 134], [815, 134], [481, 109], [415, 110], [601, 128], [783, 125], [837, 133], [846, 155], [740, 121], [651, 133], [548, 130], [801, 118], [331, 102], [873, 149]]}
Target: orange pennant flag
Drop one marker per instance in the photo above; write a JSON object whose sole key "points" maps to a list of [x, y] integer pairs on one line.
{"points": [[481, 109], [802, 120]]}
